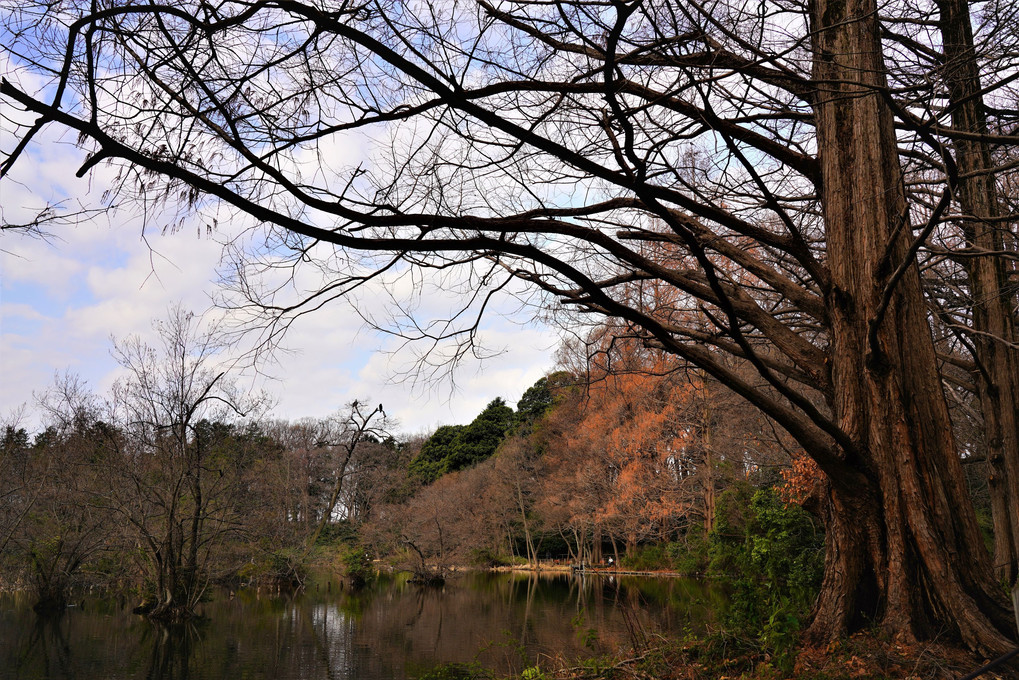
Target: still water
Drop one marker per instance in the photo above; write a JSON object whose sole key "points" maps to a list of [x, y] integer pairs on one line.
{"points": [[392, 630]]}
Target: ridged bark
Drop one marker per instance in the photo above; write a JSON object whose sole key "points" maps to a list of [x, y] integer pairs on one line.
{"points": [[904, 546], [993, 338]]}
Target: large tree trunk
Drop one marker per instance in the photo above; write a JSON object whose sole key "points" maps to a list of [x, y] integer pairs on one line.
{"points": [[993, 338], [903, 543]]}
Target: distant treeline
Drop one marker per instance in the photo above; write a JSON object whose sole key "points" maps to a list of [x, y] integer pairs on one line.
{"points": [[175, 480]]}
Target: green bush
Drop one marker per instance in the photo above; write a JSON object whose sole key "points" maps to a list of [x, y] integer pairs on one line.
{"points": [[690, 556], [337, 532], [483, 557], [772, 556], [357, 566], [283, 567], [647, 558], [687, 556]]}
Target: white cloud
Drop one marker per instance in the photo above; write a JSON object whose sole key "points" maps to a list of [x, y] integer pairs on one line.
{"points": [[335, 360], [102, 281], [61, 301]]}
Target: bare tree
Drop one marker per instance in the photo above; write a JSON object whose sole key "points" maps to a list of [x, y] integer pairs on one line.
{"points": [[346, 438], [70, 523], [780, 167], [173, 484]]}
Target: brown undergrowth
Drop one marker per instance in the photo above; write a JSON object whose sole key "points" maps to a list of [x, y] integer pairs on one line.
{"points": [[864, 656]]}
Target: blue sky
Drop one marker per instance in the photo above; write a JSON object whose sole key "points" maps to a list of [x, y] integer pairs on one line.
{"points": [[62, 299]]}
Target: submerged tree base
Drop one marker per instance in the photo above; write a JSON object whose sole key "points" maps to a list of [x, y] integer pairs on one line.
{"points": [[50, 605], [430, 580], [163, 613]]}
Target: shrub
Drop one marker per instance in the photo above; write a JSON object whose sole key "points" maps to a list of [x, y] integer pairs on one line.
{"points": [[483, 557], [283, 568], [647, 558], [357, 566], [772, 556], [690, 556], [334, 533]]}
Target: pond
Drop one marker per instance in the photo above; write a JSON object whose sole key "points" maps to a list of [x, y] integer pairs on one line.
{"points": [[391, 630]]}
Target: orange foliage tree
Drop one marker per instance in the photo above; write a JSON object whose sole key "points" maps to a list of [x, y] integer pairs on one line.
{"points": [[628, 466]]}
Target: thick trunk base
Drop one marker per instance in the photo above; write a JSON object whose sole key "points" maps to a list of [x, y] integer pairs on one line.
{"points": [[877, 573]]}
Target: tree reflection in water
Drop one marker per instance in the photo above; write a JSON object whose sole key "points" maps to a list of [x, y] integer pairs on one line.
{"points": [[390, 631], [172, 646]]}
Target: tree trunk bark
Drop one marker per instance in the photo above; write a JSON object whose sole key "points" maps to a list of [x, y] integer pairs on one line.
{"points": [[903, 543], [997, 376], [532, 557], [709, 478], [191, 566]]}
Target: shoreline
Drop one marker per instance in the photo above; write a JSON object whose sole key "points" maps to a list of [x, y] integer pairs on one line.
{"points": [[599, 571]]}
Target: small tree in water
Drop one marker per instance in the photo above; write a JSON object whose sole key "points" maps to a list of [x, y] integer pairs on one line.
{"points": [[168, 487]]}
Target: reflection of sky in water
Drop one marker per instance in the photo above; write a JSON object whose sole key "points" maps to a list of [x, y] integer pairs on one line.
{"points": [[392, 631], [336, 630]]}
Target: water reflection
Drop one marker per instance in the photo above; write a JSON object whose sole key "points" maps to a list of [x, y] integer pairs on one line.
{"points": [[172, 649], [391, 631], [48, 641]]}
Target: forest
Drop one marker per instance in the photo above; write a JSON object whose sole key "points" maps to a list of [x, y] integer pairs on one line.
{"points": [[173, 482], [176, 482], [800, 212], [172, 485]]}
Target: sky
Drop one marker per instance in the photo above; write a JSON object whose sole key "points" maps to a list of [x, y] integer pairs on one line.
{"points": [[64, 298]]}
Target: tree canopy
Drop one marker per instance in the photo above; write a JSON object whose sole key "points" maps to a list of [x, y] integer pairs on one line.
{"points": [[812, 203], [456, 447]]}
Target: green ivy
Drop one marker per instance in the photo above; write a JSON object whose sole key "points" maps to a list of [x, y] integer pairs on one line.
{"points": [[772, 556]]}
